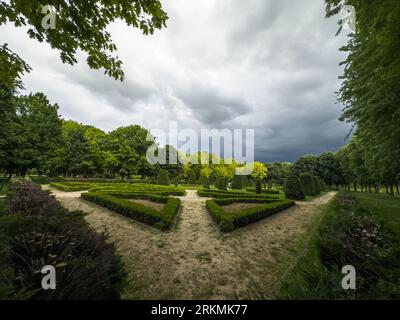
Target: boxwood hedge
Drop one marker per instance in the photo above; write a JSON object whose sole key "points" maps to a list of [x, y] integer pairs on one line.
{"points": [[163, 219], [231, 194], [228, 221]]}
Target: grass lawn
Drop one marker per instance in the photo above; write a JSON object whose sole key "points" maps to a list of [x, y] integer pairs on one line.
{"points": [[384, 207]]}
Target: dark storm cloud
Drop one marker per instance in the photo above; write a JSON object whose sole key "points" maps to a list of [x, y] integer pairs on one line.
{"points": [[270, 65]]}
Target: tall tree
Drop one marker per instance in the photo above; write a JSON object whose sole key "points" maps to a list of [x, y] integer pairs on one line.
{"points": [[82, 25]]}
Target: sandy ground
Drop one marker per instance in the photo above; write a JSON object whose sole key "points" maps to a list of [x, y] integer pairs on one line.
{"points": [[194, 261], [154, 205], [234, 207]]}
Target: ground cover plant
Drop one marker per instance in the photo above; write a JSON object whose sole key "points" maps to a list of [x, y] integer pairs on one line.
{"points": [[35, 230], [352, 231]]}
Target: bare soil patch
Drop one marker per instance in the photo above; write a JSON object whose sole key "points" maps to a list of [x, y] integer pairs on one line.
{"points": [[193, 261], [235, 207], [154, 205]]}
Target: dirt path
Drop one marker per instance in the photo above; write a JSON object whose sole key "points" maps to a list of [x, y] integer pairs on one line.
{"points": [[193, 261]]}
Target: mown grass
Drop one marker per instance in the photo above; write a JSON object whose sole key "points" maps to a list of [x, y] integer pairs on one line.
{"points": [[384, 207]]}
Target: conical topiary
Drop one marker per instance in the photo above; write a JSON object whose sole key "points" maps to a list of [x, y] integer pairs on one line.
{"points": [[293, 188], [163, 177]]}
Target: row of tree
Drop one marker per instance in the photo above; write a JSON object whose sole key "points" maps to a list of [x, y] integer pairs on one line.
{"points": [[370, 94]]}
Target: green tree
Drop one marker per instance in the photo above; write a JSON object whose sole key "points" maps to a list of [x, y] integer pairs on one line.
{"points": [[38, 132], [82, 25]]}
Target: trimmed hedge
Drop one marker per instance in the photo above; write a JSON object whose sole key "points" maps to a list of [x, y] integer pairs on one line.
{"points": [[227, 221], [263, 191], [231, 194], [293, 188], [163, 178], [163, 219], [71, 186], [308, 185], [226, 201], [220, 183], [237, 182]]}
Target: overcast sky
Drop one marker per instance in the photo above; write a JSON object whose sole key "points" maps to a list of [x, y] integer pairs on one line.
{"points": [[264, 64]]}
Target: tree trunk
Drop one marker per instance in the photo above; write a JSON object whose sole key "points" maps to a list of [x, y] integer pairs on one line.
{"points": [[387, 188], [391, 189], [397, 188], [355, 186]]}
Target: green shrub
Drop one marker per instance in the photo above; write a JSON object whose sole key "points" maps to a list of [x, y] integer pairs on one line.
{"points": [[308, 185], [163, 219], [316, 185], [231, 194], [250, 183], [192, 179], [237, 182], [293, 188], [268, 191], [258, 186], [227, 221], [163, 178], [220, 183]]}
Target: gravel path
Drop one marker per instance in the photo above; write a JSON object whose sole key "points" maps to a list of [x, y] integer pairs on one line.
{"points": [[194, 261]]}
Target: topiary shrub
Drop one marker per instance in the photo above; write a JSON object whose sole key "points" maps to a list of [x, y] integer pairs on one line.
{"points": [[237, 182], [308, 185], [193, 179], [316, 185], [250, 183], [163, 178], [220, 183], [293, 188], [176, 182]]}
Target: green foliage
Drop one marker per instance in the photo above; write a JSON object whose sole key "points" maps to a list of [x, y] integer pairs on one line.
{"points": [[308, 185], [369, 93], [85, 264], [163, 178], [220, 183], [237, 182], [12, 67], [258, 186], [268, 191], [35, 230], [192, 179], [349, 234], [229, 221], [83, 26], [232, 194], [163, 219], [293, 189]]}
